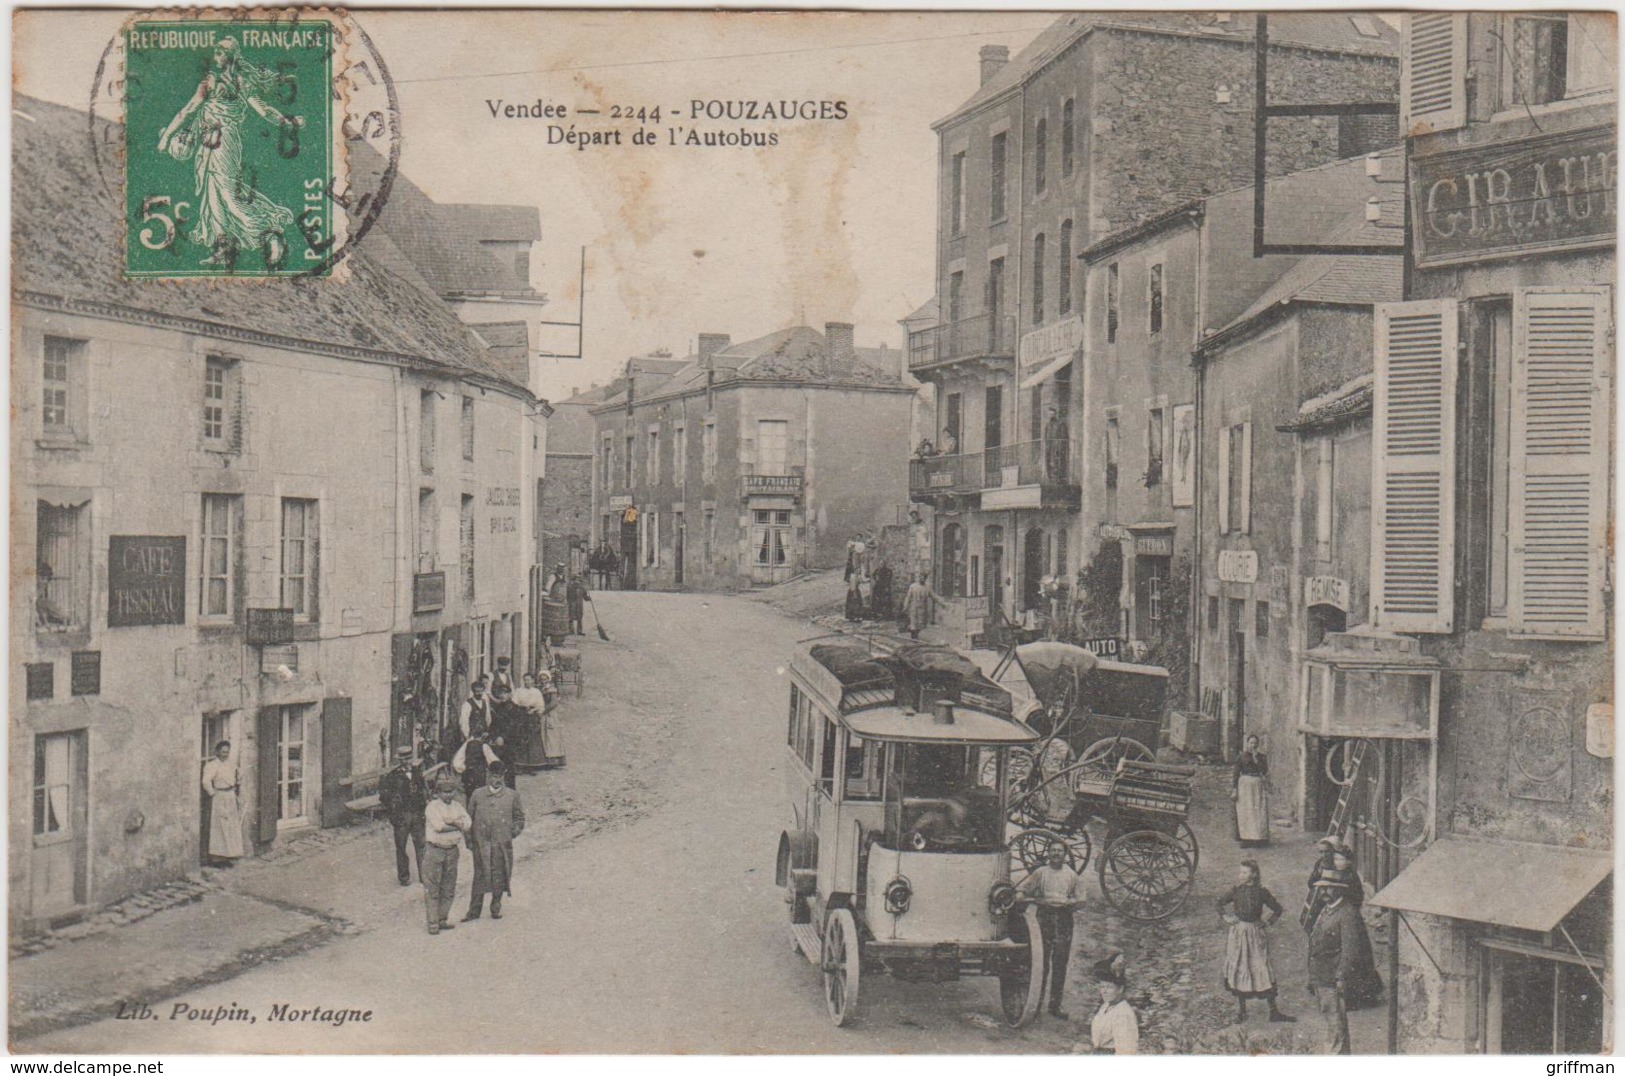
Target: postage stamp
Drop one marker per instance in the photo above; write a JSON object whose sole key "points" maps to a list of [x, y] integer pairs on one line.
{"points": [[231, 163]]}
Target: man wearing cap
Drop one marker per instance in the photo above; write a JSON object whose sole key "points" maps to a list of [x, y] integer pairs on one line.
{"points": [[1058, 893], [498, 817], [446, 823], [576, 597], [401, 793], [1334, 948]]}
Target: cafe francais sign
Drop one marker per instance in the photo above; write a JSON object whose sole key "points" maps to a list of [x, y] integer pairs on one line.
{"points": [[1538, 194]]}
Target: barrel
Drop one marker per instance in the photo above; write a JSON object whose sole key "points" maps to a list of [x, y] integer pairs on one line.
{"points": [[555, 620]]}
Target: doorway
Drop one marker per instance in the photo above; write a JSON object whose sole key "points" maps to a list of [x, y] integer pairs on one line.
{"points": [[677, 548], [1032, 569], [1237, 635], [629, 555], [993, 571], [216, 728], [60, 787]]}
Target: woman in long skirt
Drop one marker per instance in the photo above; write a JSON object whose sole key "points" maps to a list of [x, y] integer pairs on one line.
{"points": [[1248, 972], [225, 817], [1250, 791]]}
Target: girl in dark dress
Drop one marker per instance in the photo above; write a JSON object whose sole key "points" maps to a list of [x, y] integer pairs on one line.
{"points": [[1248, 971]]}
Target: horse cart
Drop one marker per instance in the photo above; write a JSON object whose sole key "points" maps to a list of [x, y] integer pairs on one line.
{"points": [[897, 860], [1093, 776]]}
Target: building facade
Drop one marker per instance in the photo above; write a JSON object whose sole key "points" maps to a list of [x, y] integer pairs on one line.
{"points": [[565, 519], [751, 462], [227, 518], [1492, 510], [1101, 124]]}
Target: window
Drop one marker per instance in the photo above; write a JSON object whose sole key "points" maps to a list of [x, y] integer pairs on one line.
{"points": [[1547, 57], [292, 754], [428, 530], [1324, 490], [652, 461], [63, 368], [1040, 154], [62, 564], [956, 195], [772, 446], [995, 301], [708, 536], [53, 783], [1261, 620], [1068, 136], [299, 557], [771, 536], [217, 598], [426, 400], [954, 413], [1154, 442], [465, 545], [220, 404], [1035, 413], [606, 465], [1063, 271], [1038, 279], [996, 180], [863, 768], [651, 539], [1235, 478], [627, 464], [1113, 448], [803, 731], [1154, 299], [1212, 614], [956, 297], [1111, 303], [679, 454], [708, 451], [466, 428], [826, 759]]}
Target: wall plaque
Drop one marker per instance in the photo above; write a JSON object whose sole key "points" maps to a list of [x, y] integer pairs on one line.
{"points": [[85, 676], [146, 580]]}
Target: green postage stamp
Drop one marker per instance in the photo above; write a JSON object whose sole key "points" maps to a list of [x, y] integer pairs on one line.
{"points": [[231, 161]]}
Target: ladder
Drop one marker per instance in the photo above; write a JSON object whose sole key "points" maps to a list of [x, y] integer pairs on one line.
{"points": [[1334, 828]]}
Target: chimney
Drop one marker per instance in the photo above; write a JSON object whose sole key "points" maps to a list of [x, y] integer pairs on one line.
{"points": [[838, 346], [993, 58], [710, 344]]}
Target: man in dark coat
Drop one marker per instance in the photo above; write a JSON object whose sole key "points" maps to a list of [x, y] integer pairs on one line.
{"points": [[880, 592], [1337, 946], [575, 596], [403, 796], [498, 817], [474, 721]]}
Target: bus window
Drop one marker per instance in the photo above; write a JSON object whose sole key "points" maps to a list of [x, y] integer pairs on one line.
{"points": [[794, 736], [826, 777], [945, 805], [862, 769]]}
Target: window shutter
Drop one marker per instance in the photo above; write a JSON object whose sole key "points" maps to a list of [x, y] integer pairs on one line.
{"points": [[1245, 523], [267, 769], [1413, 467], [1224, 479], [1558, 486], [1433, 75]]}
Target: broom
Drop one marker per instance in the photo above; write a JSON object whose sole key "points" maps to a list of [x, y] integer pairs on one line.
{"points": [[602, 634]]}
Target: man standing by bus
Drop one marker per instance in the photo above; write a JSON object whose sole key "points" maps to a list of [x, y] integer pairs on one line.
{"points": [[1058, 892]]}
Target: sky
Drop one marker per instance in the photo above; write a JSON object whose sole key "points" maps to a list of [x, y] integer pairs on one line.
{"points": [[834, 223]]}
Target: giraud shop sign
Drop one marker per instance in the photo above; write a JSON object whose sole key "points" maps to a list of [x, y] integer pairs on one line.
{"points": [[1548, 193]]}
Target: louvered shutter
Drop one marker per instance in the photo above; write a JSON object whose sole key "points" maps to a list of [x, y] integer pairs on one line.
{"points": [[1558, 487], [1224, 480], [1245, 523], [1433, 75], [1413, 467]]}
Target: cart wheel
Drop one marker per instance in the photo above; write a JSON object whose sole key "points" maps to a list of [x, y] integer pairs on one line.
{"points": [[1187, 841], [840, 962], [1029, 848], [1021, 989], [1146, 875], [1099, 762]]}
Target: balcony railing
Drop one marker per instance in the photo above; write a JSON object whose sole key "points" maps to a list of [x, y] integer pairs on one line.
{"points": [[945, 474], [1032, 463], [984, 335]]}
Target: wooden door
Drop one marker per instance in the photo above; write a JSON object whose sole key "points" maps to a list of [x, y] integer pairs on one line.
{"points": [[336, 762]]}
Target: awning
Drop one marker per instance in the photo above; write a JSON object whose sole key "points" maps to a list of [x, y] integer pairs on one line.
{"points": [[1046, 371], [1506, 883]]}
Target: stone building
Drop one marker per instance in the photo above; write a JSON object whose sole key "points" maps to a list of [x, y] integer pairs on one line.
{"points": [[564, 506], [234, 514], [749, 463], [1491, 531], [1105, 121]]}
